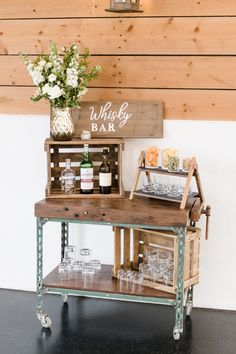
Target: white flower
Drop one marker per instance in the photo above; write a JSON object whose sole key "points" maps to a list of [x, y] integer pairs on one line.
{"points": [[37, 77], [30, 66], [48, 65], [52, 77], [55, 92], [72, 77], [45, 89], [42, 62]]}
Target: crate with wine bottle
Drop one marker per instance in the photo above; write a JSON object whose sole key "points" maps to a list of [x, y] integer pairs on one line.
{"points": [[84, 169]]}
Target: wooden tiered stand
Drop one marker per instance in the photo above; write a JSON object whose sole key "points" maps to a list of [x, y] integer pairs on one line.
{"points": [[193, 172]]}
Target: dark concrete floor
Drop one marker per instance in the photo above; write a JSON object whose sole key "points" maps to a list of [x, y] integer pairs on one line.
{"points": [[91, 326]]}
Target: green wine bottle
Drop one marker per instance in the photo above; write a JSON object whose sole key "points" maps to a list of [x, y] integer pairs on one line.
{"points": [[86, 172]]}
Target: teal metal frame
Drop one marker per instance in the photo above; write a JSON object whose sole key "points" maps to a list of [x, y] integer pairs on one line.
{"points": [[182, 298]]}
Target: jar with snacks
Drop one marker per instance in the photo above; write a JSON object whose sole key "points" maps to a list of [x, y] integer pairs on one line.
{"points": [[166, 155], [186, 164], [151, 157], [173, 163]]}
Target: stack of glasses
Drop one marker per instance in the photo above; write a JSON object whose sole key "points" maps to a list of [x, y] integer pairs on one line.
{"points": [[172, 187], [72, 267], [131, 276], [158, 266]]}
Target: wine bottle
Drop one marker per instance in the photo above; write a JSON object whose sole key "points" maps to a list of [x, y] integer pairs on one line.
{"points": [[86, 172], [68, 179], [105, 174]]}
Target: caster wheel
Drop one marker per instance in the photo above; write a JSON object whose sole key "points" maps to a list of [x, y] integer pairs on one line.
{"points": [[46, 321], [188, 309], [176, 335], [65, 298]]}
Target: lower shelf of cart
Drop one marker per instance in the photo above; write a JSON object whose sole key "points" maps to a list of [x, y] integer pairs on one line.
{"points": [[103, 282]]}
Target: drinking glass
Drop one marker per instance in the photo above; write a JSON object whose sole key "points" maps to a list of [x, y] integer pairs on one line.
{"points": [[95, 263], [168, 277], [70, 253], [88, 270], [173, 190], [85, 253], [77, 269], [147, 186], [65, 271]]}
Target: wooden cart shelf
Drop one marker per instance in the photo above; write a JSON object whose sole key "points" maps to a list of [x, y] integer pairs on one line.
{"points": [[139, 211], [103, 282]]}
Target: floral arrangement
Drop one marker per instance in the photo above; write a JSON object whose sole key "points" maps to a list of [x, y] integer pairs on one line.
{"points": [[61, 79]]}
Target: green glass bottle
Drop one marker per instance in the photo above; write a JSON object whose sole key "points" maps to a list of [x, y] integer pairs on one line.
{"points": [[86, 172], [105, 174]]}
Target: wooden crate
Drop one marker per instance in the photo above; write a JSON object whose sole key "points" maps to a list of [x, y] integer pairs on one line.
{"points": [[59, 151], [125, 257]]}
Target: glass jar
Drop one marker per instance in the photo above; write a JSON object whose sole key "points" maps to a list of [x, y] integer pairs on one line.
{"points": [[173, 163], [186, 164], [85, 135], [151, 157]]}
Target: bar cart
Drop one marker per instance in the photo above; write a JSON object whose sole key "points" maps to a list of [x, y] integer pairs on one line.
{"points": [[139, 213]]}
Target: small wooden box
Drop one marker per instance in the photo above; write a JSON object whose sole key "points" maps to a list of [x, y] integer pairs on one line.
{"points": [[144, 239], [59, 151]]}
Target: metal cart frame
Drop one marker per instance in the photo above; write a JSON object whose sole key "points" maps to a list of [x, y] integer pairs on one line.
{"points": [[183, 297]]}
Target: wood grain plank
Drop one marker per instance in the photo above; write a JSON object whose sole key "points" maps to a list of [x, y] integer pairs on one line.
{"points": [[117, 250], [178, 104], [209, 72], [182, 35], [96, 8], [127, 248]]}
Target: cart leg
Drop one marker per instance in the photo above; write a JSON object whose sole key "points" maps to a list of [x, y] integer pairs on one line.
{"points": [[179, 311], [42, 316], [64, 237], [64, 243], [189, 304]]}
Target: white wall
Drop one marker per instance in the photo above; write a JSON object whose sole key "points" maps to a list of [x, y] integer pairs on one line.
{"points": [[23, 179]]}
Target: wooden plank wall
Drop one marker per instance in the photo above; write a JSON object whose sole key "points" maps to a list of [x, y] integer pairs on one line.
{"points": [[181, 51]]}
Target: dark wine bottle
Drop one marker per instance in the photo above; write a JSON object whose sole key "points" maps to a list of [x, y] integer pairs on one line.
{"points": [[86, 172], [105, 174]]}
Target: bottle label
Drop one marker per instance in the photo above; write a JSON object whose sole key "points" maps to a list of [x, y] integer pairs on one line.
{"points": [[68, 180], [86, 178], [104, 179]]}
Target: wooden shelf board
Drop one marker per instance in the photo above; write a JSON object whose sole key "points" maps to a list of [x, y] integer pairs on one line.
{"points": [[139, 211], [163, 171], [103, 282], [156, 196], [123, 11], [78, 141]]}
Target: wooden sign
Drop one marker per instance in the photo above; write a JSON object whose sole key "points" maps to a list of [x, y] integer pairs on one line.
{"points": [[120, 119]]}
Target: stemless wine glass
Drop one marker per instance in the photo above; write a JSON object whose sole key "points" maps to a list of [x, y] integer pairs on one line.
{"points": [[65, 270], [70, 253], [77, 269], [95, 263], [84, 254], [88, 270]]}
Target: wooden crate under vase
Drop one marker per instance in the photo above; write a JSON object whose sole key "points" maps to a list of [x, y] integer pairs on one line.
{"points": [[149, 239], [59, 151]]}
